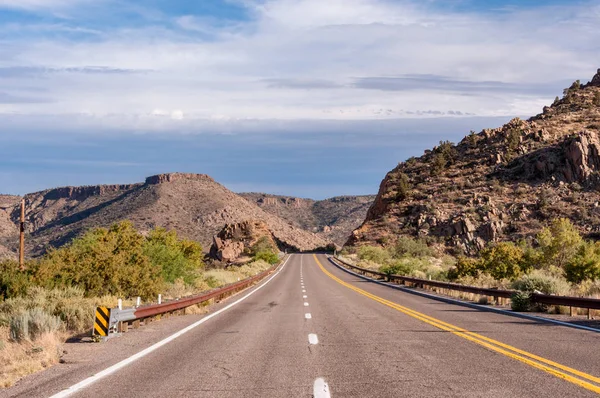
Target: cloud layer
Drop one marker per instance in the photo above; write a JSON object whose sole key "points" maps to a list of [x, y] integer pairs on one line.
{"points": [[290, 60]]}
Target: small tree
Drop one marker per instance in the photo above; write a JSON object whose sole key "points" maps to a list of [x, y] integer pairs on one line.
{"points": [[585, 265], [597, 98], [559, 242], [503, 260], [402, 186], [465, 266]]}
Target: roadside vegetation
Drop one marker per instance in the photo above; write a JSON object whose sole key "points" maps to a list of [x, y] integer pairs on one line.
{"points": [[559, 261], [56, 296]]}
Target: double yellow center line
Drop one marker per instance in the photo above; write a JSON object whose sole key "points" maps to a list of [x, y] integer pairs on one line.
{"points": [[564, 372]]}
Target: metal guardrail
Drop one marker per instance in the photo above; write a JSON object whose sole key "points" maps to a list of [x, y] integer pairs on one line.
{"points": [[567, 301], [121, 319]]}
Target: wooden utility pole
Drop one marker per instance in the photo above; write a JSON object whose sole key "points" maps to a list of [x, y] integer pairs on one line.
{"points": [[22, 238]]}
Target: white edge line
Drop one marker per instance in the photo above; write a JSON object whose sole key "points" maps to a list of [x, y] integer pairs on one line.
{"points": [[92, 379], [321, 389], [472, 305]]}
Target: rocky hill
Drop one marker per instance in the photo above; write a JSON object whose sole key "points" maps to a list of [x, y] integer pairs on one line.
{"points": [[193, 204], [332, 219], [500, 184]]}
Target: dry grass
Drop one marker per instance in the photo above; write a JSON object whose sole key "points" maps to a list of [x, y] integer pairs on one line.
{"points": [[30, 355], [20, 359], [220, 277]]}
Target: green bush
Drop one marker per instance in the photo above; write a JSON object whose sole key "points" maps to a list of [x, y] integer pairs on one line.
{"points": [[585, 265], [407, 246], [402, 186], [103, 262], [266, 255], [503, 260], [559, 243], [542, 282], [397, 268], [264, 249], [465, 266], [521, 301], [13, 282], [373, 253], [178, 259]]}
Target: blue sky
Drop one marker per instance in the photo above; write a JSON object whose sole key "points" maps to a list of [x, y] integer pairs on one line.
{"points": [[310, 98]]}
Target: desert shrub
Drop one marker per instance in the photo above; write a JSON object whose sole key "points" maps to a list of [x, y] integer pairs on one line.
{"points": [[438, 164], [597, 98], [373, 253], [103, 262], [396, 268], [465, 266], [177, 259], [267, 256], [585, 264], [68, 304], [503, 260], [13, 282], [265, 250], [32, 323], [407, 246], [402, 186], [542, 282], [513, 139], [589, 288], [559, 242], [521, 301], [447, 150]]}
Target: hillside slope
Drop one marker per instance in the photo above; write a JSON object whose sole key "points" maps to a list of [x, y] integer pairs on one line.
{"points": [[332, 219], [194, 205], [499, 184]]}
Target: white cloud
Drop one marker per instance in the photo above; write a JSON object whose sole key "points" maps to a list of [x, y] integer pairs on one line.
{"points": [[41, 4], [305, 60]]}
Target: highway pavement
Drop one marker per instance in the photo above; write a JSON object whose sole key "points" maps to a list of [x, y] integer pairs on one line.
{"points": [[316, 330]]}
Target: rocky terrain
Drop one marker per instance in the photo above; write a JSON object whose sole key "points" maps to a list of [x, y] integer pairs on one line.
{"points": [[194, 205], [499, 184], [332, 219], [235, 240]]}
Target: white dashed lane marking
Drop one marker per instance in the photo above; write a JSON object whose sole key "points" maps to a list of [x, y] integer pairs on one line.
{"points": [[313, 339], [321, 389], [308, 315]]}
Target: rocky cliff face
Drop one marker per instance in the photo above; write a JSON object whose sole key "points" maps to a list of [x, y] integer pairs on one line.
{"points": [[332, 219], [193, 204], [235, 240], [499, 184]]}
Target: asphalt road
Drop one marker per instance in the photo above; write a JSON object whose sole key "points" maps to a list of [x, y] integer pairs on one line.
{"points": [[360, 340]]}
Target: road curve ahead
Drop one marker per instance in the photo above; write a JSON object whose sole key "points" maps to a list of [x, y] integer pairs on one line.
{"points": [[316, 330]]}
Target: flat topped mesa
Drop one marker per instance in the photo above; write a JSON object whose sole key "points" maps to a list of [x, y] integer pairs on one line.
{"points": [[171, 177]]}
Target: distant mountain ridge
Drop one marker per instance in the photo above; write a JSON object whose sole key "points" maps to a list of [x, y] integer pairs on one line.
{"points": [[194, 205], [332, 219]]}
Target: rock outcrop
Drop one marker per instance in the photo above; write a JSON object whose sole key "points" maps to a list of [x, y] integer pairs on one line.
{"points": [[500, 184], [235, 240]]}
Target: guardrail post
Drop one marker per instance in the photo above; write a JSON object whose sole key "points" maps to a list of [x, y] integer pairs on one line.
{"points": [[159, 299], [120, 304], [138, 302], [570, 310]]}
